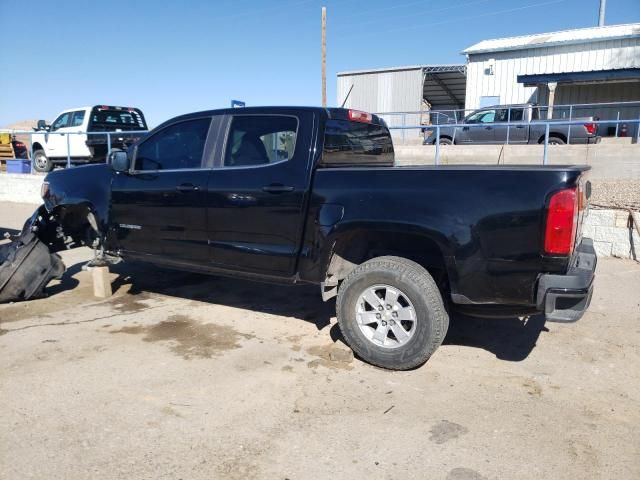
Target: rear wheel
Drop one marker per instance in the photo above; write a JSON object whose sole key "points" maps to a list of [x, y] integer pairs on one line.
{"points": [[391, 313], [40, 162], [555, 141], [445, 141]]}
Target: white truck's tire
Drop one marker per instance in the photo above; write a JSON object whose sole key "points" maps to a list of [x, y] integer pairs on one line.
{"points": [[41, 163]]}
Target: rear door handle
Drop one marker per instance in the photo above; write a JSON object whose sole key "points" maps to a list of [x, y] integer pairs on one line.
{"points": [[277, 188], [187, 187]]}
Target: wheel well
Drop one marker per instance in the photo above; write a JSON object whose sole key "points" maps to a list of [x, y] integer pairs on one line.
{"points": [[554, 134], [37, 146], [70, 226], [448, 137], [361, 246]]}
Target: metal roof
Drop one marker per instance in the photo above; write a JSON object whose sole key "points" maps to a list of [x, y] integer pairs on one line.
{"points": [[576, 77], [445, 87], [541, 40], [438, 68]]}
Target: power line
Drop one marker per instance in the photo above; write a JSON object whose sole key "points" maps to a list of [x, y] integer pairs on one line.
{"points": [[457, 19], [425, 12], [384, 9]]}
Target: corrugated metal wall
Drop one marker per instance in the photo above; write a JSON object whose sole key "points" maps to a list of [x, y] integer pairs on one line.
{"points": [[606, 55], [597, 93], [395, 91]]}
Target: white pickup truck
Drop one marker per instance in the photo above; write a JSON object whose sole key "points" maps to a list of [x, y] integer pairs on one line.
{"points": [[59, 142]]}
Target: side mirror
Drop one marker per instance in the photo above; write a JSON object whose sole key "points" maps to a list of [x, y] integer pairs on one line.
{"points": [[119, 160], [42, 125]]}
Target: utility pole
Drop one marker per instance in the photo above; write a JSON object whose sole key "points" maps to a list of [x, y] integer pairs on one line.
{"points": [[603, 8], [324, 56]]}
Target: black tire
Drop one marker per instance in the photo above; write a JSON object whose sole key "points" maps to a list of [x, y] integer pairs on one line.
{"points": [[444, 141], [40, 162], [419, 287], [555, 140]]}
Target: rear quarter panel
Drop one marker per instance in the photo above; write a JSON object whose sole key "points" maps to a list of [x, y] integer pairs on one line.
{"points": [[487, 221]]}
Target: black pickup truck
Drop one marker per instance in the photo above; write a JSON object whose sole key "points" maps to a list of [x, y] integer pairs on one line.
{"points": [[310, 195]]}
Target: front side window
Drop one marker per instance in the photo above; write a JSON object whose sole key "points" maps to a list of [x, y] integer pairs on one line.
{"points": [[176, 147], [484, 116], [260, 140], [62, 121], [78, 118]]}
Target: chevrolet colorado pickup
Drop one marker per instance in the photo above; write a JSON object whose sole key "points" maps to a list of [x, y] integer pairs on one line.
{"points": [[310, 195]]}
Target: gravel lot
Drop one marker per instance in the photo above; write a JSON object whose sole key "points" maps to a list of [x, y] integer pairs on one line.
{"points": [[185, 376], [623, 194]]}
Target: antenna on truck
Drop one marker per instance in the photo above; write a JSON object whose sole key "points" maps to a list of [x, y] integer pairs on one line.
{"points": [[347, 97]]}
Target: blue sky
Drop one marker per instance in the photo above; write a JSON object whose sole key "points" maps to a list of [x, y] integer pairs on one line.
{"points": [[173, 57]]}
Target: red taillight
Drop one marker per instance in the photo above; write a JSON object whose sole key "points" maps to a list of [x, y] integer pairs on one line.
{"points": [[562, 222], [19, 144], [590, 128], [358, 116]]}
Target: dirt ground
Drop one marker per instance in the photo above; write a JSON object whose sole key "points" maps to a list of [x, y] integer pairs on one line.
{"points": [[193, 377]]}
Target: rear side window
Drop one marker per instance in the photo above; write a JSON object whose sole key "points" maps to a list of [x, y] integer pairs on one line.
{"points": [[260, 140], [349, 143], [111, 119], [78, 118], [176, 147], [503, 115]]}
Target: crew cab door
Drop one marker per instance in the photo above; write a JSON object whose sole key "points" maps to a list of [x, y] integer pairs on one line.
{"points": [[158, 208], [55, 140], [78, 142], [256, 193], [481, 133], [518, 133]]}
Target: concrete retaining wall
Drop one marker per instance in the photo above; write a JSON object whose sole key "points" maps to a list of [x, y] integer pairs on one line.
{"points": [[612, 233], [20, 188], [607, 161]]}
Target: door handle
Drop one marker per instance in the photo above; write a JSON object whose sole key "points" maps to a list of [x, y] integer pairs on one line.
{"points": [[465, 128], [277, 188], [187, 187], [488, 128]]}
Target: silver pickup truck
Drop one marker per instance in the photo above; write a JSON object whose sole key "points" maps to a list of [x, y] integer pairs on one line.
{"points": [[492, 128]]}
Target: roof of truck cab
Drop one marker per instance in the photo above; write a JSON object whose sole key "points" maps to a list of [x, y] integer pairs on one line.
{"points": [[333, 112]]}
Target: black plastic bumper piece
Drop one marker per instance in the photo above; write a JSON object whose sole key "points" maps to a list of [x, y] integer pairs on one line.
{"points": [[565, 298]]}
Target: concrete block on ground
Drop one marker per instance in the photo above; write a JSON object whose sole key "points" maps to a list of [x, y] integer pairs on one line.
{"points": [[101, 282]]}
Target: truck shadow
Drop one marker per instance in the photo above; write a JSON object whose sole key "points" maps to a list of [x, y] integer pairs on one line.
{"points": [[510, 339], [298, 301]]}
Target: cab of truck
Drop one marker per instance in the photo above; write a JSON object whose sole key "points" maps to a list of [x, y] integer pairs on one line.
{"points": [[69, 139]]}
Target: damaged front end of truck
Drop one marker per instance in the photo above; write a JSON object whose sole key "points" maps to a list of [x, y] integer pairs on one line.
{"points": [[74, 214]]}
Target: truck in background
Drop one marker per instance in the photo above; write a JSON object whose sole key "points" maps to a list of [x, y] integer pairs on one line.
{"points": [[59, 142], [529, 129]]}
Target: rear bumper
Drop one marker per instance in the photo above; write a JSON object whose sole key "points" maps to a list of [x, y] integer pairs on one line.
{"points": [[565, 298]]}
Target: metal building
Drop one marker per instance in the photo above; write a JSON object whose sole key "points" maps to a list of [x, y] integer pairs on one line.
{"points": [[416, 88], [588, 65]]}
